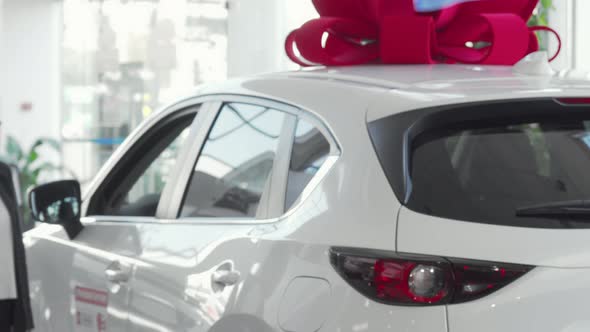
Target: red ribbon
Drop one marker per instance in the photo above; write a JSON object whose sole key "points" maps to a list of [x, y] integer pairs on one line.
{"points": [[351, 32]]}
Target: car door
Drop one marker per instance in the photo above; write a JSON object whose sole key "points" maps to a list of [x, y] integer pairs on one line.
{"points": [[15, 309], [192, 263], [83, 284], [193, 266]]}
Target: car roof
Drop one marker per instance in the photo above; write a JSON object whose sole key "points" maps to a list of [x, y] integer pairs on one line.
{"points": [[407, 76], [391, 89], [435, 77]]}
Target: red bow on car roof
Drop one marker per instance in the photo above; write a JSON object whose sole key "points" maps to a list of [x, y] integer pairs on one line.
{"points": [[351, 32]]}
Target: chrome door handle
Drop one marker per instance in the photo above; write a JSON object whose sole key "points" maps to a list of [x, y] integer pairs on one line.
{"points": [[226, 277], [116, 273]]}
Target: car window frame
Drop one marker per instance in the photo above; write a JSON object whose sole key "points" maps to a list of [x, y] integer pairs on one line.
{"points": [[269, 200], [277, 193], [169, 207], [331, 158], [112, 166]]}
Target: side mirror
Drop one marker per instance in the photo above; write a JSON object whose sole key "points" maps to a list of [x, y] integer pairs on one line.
{"points": [[58, 203]]}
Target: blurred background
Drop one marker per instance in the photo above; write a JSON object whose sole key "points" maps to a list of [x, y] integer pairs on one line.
{"points": [[78, 75], [82, 74]]}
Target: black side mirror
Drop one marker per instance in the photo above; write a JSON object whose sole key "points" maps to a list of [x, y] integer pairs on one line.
{"points": [[58, 203]]}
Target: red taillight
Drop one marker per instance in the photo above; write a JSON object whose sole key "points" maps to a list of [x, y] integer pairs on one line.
{"points": [[410, 281], [422, 281], [574, 101]]}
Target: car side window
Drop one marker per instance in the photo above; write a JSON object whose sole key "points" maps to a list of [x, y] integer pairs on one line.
{"points": [[309, 152], [142, 199], [235, 165], [135, 187]]}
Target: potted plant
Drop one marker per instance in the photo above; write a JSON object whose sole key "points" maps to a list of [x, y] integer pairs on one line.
{"points": [[32, 167]]}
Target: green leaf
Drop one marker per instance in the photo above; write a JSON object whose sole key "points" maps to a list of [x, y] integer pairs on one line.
{"points": [[34, 176], [32, 157], [45, 142], [27, 181], [13, 149], [547, 3], [39, 143], [533, 21], [55, 144], [543, 20]]}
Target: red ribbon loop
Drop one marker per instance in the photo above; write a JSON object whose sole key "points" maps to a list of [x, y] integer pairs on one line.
{"points": [[352, 32], [534, 29]]}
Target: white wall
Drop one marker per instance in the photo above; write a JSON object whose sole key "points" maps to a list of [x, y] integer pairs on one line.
{"points": [[560, 19], [581, 24], [570, 19], [30, 65], [257, 30], [252, 36]]}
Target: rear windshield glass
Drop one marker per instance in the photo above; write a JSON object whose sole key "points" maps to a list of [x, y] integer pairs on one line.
{"points": [[486, 174]]}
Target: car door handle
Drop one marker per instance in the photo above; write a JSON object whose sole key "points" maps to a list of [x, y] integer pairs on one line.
{"points": [[226, 277], [116, 274]]}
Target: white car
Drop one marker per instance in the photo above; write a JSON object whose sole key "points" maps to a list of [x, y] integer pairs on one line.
{"points": [[446, 198]]}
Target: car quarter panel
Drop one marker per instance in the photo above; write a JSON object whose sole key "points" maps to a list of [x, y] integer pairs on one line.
{"points": [[562, 248]]}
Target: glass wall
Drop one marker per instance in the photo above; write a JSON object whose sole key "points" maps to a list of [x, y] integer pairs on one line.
{"points": [[122, 59]]}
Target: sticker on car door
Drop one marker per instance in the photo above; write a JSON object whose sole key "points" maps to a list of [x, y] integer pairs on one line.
{"points": [[91, 309]]}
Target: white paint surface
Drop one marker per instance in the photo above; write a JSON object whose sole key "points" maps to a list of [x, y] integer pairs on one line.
{"points": [[30, 66]]}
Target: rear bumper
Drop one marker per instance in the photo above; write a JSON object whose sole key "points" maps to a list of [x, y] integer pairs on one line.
{"points": [[544, 300]]}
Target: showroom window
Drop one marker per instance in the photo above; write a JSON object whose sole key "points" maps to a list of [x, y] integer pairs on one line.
{"points": [[310, 150], [235, 166], [123, 59]]}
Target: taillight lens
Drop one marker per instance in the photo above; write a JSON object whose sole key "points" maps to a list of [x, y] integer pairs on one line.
{"points": [[574, 101], [422, 281]]}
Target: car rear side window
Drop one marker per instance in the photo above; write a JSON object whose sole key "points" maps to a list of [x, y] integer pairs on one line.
{"points": [[310, 150], [234, 169], [487, 174]]}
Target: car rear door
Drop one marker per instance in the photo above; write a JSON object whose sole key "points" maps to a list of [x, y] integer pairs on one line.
{"points": [[15, 307], [194, 266]]}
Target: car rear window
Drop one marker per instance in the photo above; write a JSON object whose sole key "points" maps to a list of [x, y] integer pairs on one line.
{"points": [[482, 172]]}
